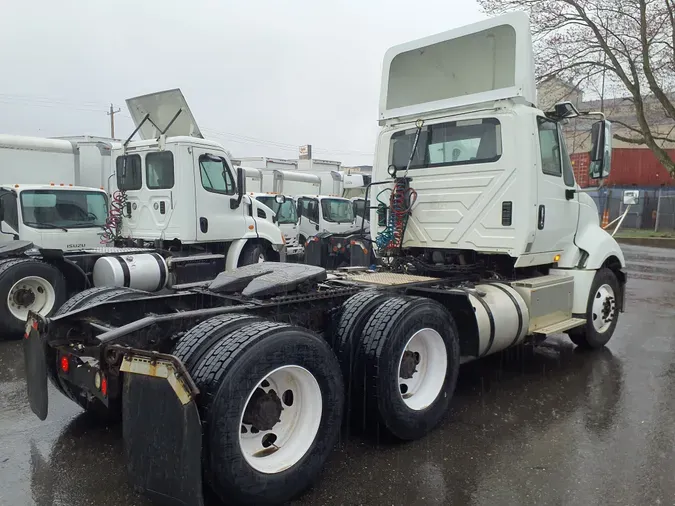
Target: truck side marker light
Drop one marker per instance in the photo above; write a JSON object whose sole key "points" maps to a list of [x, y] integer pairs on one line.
{"points": [[65, 365]]}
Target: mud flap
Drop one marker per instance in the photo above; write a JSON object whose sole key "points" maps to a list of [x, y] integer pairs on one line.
{"points": [[162, 433], [35, 360]]}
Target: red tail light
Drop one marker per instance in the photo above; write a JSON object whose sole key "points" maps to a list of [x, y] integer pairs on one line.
{"points": [[65, 365], [104, 386]]}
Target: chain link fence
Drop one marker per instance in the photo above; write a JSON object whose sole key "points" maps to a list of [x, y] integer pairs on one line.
{"points": [[655, 209]]}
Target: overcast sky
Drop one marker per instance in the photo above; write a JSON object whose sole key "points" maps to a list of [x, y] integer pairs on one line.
{"points": [[262, 77]]}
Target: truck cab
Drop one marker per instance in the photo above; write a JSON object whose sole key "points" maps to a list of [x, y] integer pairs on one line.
{"points": [[484, 173], [319, 213], [286, 217], [180, 189], [67, 218]]}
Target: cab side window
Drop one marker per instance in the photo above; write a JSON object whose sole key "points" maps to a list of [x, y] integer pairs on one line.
{"points": [[128, 170], [302, 208], [313, 210], [159, 174], [549, 147], [216, 176], [9, 209]]}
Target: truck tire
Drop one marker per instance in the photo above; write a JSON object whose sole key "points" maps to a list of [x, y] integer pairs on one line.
{"points": [[192, 347], [287, 381], [345, 336], [408, 367], [28, 284], [601, 312], [96, 295], [252, 253]]}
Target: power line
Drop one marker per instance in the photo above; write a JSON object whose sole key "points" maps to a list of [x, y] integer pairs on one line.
{"points": [[51, 102], [52, 106], [39, 98], [280, 145]]}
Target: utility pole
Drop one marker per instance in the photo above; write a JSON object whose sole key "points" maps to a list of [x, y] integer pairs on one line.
{"points": [[112, 113]]}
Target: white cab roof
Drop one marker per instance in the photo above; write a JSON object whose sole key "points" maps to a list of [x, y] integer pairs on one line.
{"points": [[321, 197], [56, 187], [162, 107], [483, 62]]}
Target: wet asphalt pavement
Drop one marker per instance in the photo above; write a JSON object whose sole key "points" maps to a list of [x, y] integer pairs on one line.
{"points": [[538, 426]]}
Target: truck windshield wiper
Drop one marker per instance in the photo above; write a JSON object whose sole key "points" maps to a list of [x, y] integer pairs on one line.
{"points": [[86, 224], [44, 225]]}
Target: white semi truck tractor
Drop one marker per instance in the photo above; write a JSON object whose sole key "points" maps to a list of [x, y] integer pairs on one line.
{"points": [[484, 242]]}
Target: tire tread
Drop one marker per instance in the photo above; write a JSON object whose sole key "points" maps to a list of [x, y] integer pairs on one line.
{"points": [[205, 335]]}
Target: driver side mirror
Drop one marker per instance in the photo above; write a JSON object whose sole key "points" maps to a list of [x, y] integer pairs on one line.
{"points": [[280, 199], [241, 188], [601, 150]]}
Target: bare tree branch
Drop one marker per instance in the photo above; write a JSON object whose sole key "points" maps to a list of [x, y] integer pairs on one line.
{"points": [[613, 48]]}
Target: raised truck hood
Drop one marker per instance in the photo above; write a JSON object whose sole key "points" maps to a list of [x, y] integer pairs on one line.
{"points": [[162, 108]]}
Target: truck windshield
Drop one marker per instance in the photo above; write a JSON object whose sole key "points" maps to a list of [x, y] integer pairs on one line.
{"points": [[452, 143], [286, 212], [63, 208], [337, 210]]}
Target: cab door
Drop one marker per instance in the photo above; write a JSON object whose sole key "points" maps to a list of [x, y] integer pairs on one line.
{"points": [[308, 215], [148, 178], [9, 217], [215, 193], [557, 209]]}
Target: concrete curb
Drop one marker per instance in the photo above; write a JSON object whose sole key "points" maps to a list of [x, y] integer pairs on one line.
{"points": [[652, 242]]}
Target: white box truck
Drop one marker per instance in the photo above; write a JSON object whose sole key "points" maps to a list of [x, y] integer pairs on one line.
{"points": [[81, 161], [265, 163]]}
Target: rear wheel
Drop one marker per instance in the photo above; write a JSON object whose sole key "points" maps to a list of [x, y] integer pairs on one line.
{"points": [[28, 285], [409, 364], [345, 337], [253, 253], [97, 295], [192, 347], [602, 313], [271, 396]]}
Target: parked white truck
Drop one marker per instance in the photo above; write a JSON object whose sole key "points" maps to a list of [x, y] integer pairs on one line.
{"points": [[178, 213], [320, 213], [242, 386], [286, 217]]}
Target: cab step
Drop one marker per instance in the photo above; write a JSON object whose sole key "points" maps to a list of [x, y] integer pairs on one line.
{"points": [[560, 327]]}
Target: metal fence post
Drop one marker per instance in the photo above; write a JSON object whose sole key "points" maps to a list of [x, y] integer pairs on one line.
{"points": [[658, 210]]}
